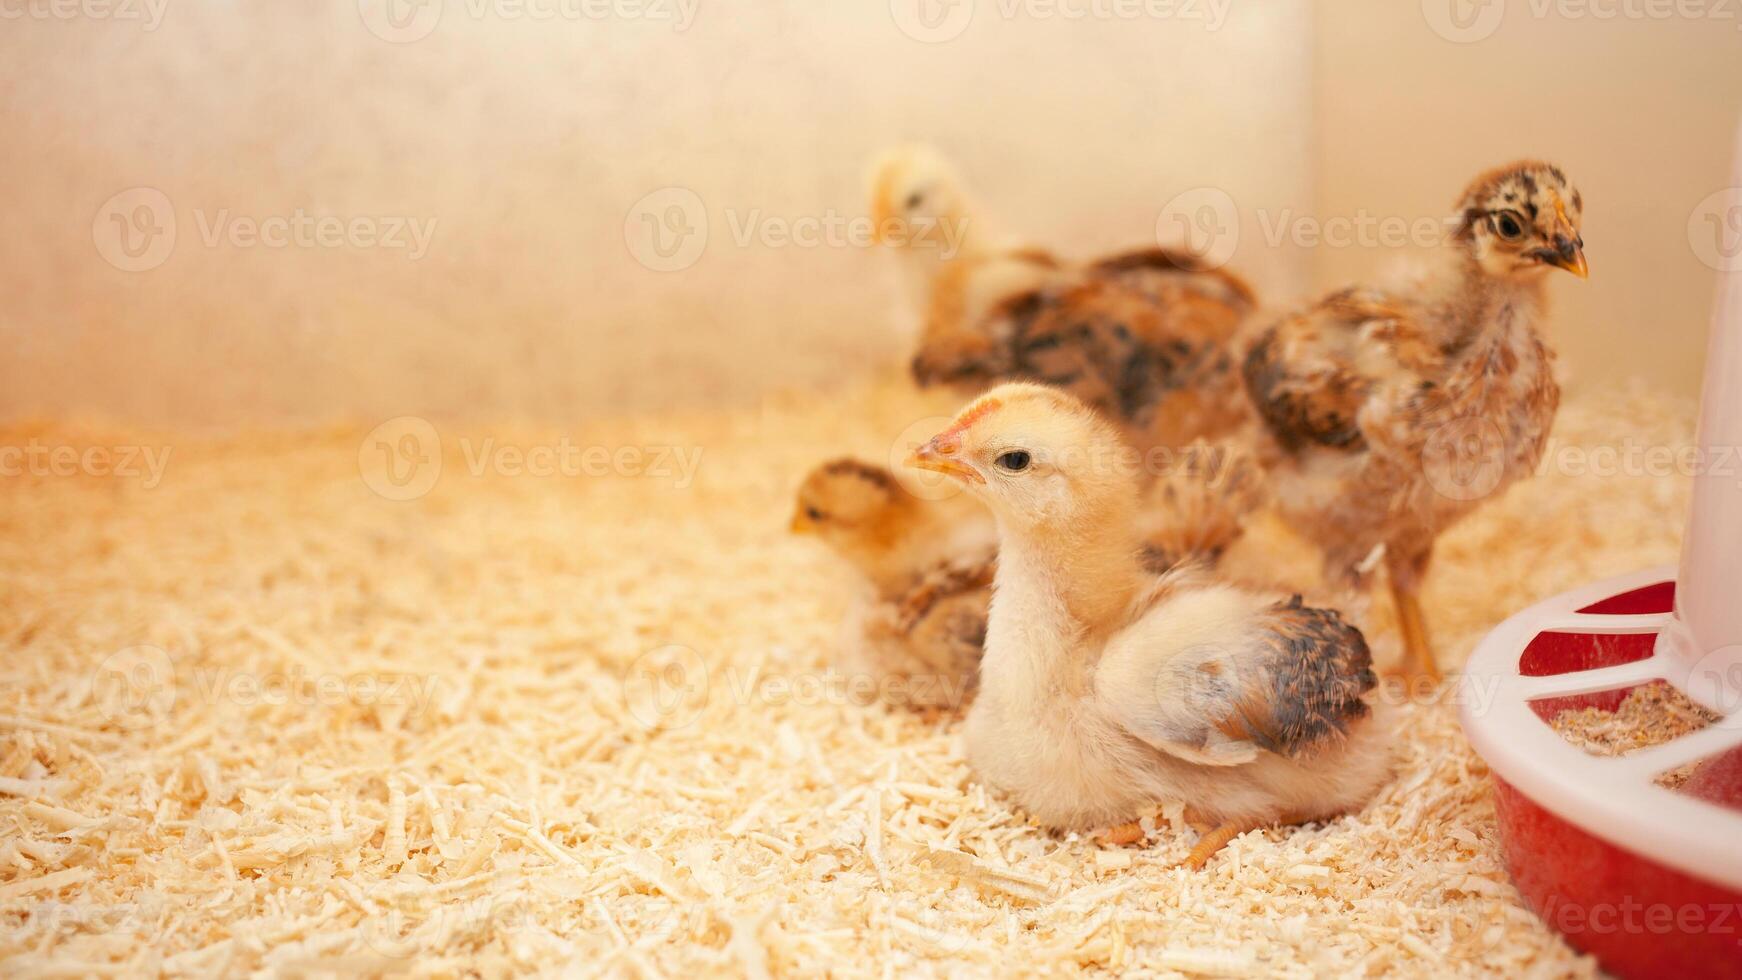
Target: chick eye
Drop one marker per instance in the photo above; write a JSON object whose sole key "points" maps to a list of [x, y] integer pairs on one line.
{"points": [[914, 200], [1508, 226], [813, 513], [1015, 460]]}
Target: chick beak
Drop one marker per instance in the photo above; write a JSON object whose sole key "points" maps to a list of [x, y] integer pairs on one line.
{"points": [[1569, 251], [882, 224], [940, 457], [883, 211], [1568, 254], [800, 524]]}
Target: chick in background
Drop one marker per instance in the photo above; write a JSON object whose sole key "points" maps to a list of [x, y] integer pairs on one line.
{"points": [[1145, 336], [1388, 415]]}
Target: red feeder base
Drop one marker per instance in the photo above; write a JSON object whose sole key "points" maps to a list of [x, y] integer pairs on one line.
{"points": [[1641, 919]]}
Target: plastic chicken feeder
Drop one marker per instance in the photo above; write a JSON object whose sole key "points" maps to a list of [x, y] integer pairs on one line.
{"points": [[1646, 878]]}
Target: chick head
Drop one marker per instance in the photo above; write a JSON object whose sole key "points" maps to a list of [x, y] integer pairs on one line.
{"points": [[849, 505], [914, 193], [1522, 219], [1037, 456]]}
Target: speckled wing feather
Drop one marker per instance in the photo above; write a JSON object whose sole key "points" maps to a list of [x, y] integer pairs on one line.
{"points": [[937, 632], [976, 306], [1200, 506], [966, 574], [1145, 337], [1085, 340], [1154, 355], [1314, 670], [1310, 375], [1291, 686]]}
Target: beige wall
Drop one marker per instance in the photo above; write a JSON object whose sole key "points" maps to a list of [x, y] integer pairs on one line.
{"points": [[522, 148], [527, 144], [1640, 112]]}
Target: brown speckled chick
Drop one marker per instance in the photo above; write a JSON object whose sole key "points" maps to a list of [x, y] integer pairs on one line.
{"points": [[1143, 336], [1107, 689], [1390, 414], [1146, 338]]}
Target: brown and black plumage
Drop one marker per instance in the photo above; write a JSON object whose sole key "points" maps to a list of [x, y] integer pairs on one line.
{"points": [[1144, 336], [1312, 686], [1390, 414]]}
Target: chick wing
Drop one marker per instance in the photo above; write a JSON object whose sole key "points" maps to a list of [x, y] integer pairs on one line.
{"points": [[1215, 676]]}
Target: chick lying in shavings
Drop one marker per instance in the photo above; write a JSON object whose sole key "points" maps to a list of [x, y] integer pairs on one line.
{"points": [[1106, 688]]}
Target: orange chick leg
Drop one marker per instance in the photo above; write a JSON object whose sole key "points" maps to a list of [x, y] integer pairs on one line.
{"points": [[1212, 842], [1418, 651]]}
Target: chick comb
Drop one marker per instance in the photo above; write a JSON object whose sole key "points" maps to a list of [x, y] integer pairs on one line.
{"points": [[973, 413]]}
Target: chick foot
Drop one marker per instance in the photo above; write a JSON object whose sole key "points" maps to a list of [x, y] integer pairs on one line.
{"points": [[1212, 842]]}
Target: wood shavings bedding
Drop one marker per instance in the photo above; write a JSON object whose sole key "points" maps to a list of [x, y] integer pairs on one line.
{"points": [[261, 718]]}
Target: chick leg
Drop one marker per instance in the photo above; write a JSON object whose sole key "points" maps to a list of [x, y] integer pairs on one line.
{"points": [[1212, 842], [1406, 570]]}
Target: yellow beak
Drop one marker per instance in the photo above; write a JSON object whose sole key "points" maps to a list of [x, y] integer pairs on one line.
{"points": [[882, 223], [800, 524], [1573, 259], [940, 457], [1574, 264]]}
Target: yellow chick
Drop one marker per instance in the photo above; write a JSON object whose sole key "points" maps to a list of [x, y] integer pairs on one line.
{"points": [[1390, 415], [893, 538], [958, 272], [928, 564], [915, 633], [1106, 689]]}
